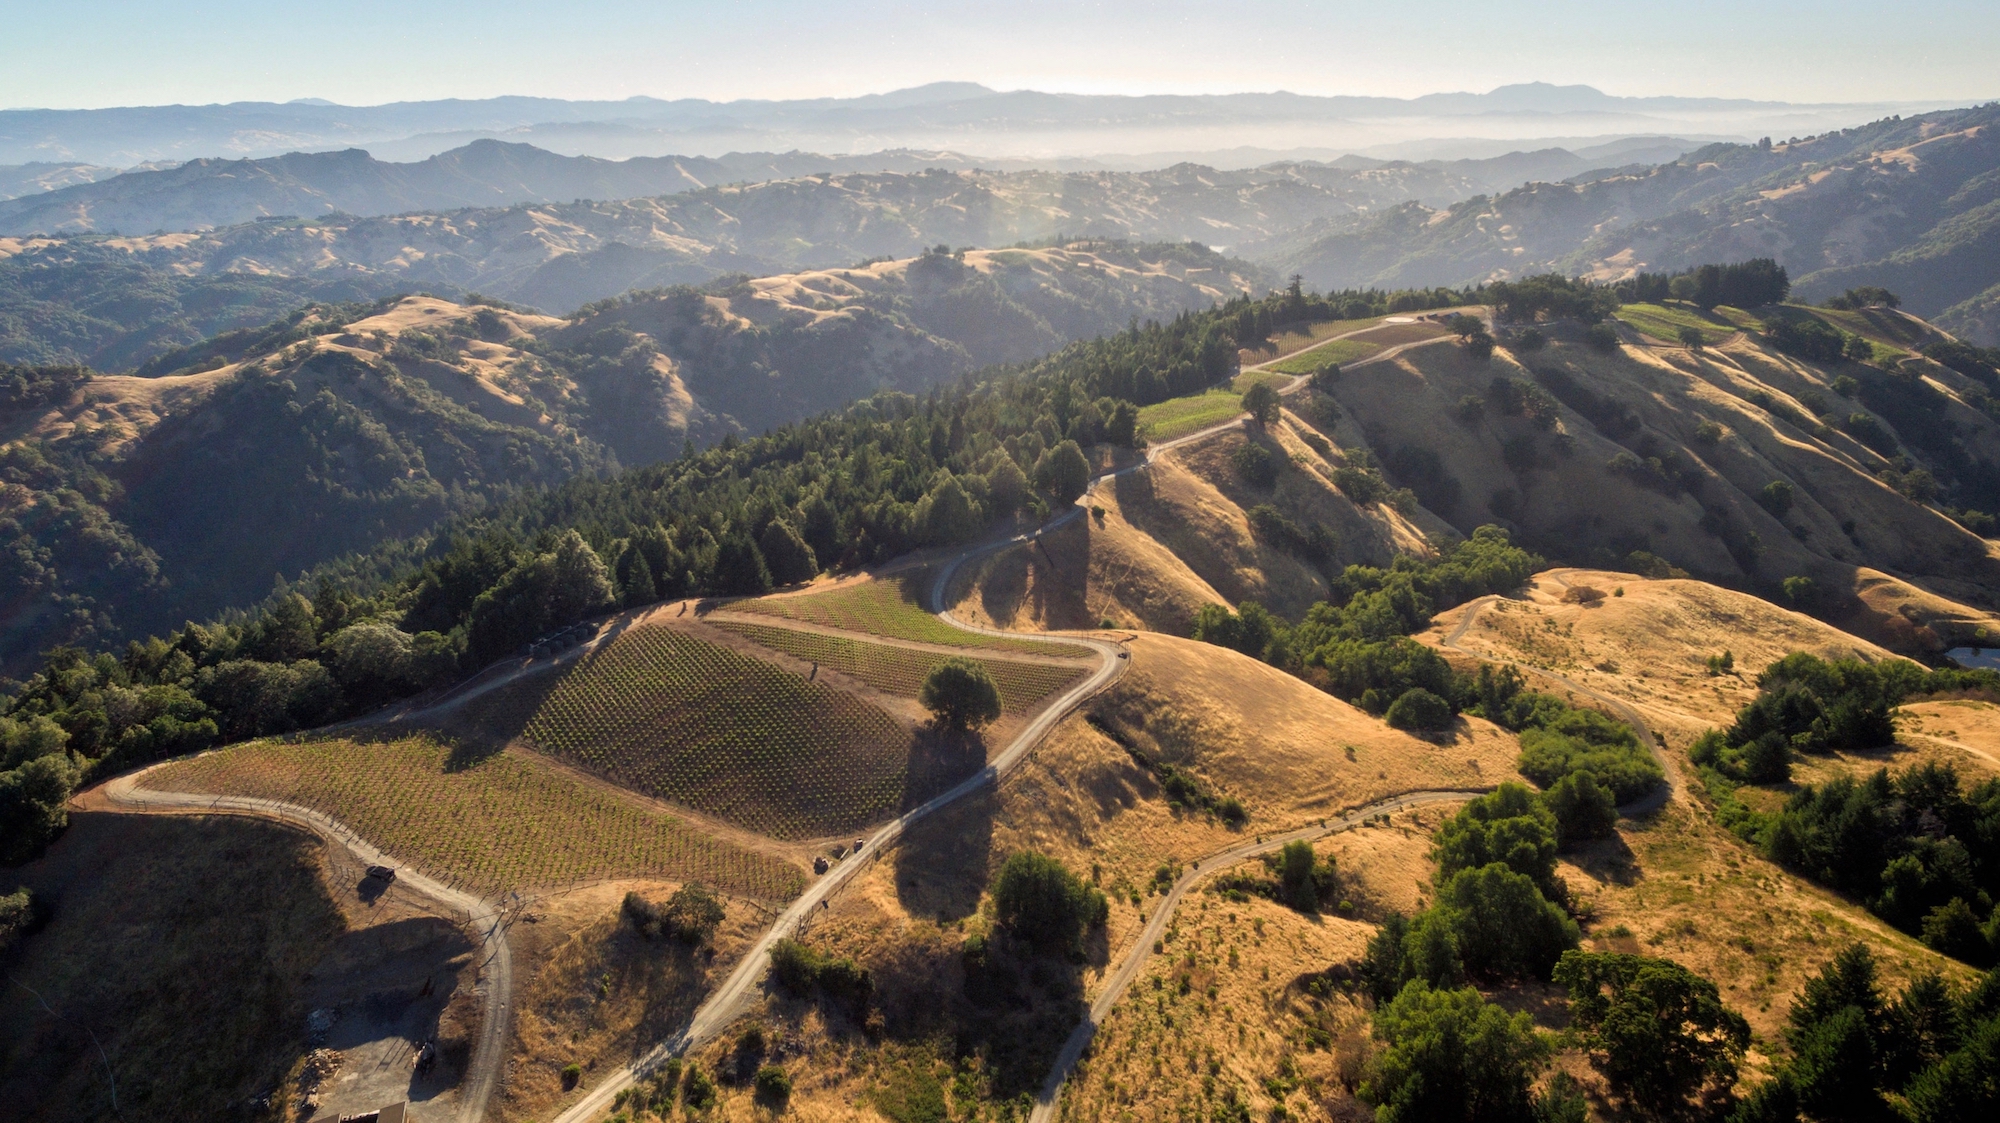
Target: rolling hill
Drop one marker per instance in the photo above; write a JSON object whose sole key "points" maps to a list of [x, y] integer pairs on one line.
{"points": [[140, 500], [1902, 202]]}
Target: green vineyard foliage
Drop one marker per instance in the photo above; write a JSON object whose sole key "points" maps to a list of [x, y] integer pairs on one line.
{"points": [[901, 670], [492, 825], [728, 735], [890, 607]]}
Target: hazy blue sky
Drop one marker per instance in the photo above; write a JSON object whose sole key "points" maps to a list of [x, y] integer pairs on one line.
{"points": [[80, 53]]}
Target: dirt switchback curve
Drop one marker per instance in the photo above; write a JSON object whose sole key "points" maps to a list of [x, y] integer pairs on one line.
{"points": [[488, 917], [1048, 1101]]}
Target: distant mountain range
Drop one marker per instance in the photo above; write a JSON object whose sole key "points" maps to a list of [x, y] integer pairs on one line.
{"points": [[1020, 124], [210, 193]]}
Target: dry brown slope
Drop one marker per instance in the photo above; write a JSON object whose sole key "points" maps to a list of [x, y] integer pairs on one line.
{"points": [[1554, 482], [1163, 541], [1646, 641], [1247, 729]]}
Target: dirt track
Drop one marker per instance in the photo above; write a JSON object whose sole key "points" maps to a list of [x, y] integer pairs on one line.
{"points": [[488, 917]]}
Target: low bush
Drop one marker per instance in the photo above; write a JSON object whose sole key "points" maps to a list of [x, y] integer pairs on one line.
{"points": [[1038, 901]]}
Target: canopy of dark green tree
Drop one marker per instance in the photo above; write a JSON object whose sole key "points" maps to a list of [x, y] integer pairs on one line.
{"points": [[961, 694], [1038, 901]]}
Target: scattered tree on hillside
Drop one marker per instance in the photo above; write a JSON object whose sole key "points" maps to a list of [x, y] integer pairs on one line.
{"points": [[1040, 902], [961, 694], [1063, 473], [1659, 1032], [1262, 403]]}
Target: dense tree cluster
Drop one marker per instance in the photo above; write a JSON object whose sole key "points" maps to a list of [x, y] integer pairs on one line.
{"points": [[1935, 1048], [1916, 846], [1749, 284], [1551, 296]]}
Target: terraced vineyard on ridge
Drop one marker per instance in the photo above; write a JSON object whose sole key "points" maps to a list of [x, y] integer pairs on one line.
{"points": [[901, 670], [671, 715], [891, 607], [501, 822]]}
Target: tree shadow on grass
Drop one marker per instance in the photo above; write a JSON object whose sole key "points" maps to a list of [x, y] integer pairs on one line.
{"points": [[479, 729], [942, 862], [1607, 861], [1019, 1008], [940, 759]]}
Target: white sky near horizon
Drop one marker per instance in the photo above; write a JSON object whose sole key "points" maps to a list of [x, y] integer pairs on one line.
{"points": [[95, 53]]}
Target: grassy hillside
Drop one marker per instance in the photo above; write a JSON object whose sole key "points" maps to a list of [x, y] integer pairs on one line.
{"points": [[137, 501], [1739, 462], [1904, 202]]}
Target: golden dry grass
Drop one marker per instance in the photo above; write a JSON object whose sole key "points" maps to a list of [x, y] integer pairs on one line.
{"points": [[592, 991], [1651, 645]]}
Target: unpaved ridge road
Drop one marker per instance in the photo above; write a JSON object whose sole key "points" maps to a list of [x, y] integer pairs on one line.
{"points": [[488, 917], [1115, 985]]}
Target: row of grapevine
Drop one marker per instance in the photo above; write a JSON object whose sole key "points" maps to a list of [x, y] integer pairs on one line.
{"points": [[901, 670], [665, 713], [506, 822], [889, 607]]}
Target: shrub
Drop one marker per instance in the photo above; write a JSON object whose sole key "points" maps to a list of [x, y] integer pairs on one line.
{"points": [[1508, 825], [17, 916], [1418, 708], [1255, 465], [806, 973], [773, 1086], [961, 694], [1528, 340], [1548, 755], [1807, 337], [1776, 497], [1583, 809], [1040, 902], [1601, 337], [697, 1089], [1709, 432], [571, 1073]]}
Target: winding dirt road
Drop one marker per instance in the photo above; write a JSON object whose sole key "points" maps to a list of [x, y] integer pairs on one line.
{"points": [[1049, 1099], [488, 917], [740, 989]]}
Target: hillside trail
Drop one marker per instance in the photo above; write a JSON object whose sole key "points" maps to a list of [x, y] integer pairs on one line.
{"points": [[491, 918], [1674, 787], [1118, 982]]}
